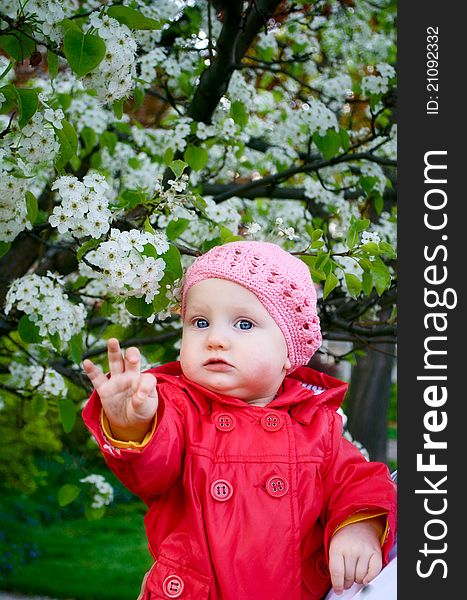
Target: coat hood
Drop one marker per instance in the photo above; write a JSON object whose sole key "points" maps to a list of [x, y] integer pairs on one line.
{"points": [[302, 392]]}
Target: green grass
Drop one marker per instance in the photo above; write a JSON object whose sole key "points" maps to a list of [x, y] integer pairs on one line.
{"points": [[85, 560]]}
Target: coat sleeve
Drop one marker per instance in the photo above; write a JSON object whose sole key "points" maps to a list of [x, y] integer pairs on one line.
{"points": [[151, 470], [352, 484]]}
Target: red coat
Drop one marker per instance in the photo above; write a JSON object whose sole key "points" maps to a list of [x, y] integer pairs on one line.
{"points": [[243, 499]]}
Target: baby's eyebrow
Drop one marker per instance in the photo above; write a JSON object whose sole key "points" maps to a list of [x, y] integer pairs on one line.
{"points": [[240, 309], [195, 308]]}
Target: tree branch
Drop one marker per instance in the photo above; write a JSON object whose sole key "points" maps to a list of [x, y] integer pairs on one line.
{"points": [[306, 168]]}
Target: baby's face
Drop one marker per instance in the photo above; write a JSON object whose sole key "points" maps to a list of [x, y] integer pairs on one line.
{"points": [[231, 344]]}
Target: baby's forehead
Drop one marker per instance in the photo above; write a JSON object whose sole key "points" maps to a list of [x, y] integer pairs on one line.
{"points": [[221, 294], [199, 304]]}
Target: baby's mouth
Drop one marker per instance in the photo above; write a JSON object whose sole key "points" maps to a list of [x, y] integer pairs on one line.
{"points": [[216, 361], [212, 361]]}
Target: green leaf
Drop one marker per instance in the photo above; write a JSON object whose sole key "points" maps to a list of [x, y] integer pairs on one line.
{"points": [[76, 348], [168, 156], [387, 250], [6, 70], [317, 245], [64, 100], [316, 273], [381, 275], [132, 18], [18, 45], [365, 264], [94, 514], [118, 108], [378, 202], [134, 162], [56, 341], [173, 262], [227, 235], [321, 259], [316, 234], [356, 226], [138, 307], [329, 284], [67, 414], [27, 104], [52, 63], [4, 247], [177, 167], [67, 24], [328, 144], [39, 405], [345, 140], [84, 51], [354, 285], [68, 143], [31, 207], [108, 140], [371, 248], [196, 157], [368, 183], [138, 97], [352, 235], [88, 135], [367, 283], [148, 228], [28, 331], [67, 493], [161, 301], [133, 198], [11, 99], [176, 227], [149, 250], [239, 113], [86, 247]]}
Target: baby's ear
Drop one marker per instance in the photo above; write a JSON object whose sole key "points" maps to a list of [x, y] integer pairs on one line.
{"points": [[287, 364]]}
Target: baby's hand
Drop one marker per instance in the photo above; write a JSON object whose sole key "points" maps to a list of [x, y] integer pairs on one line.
{"points": [[129, 397], [355, 554]]}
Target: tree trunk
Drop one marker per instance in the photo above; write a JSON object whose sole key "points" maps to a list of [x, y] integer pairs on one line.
{"points": [[368, 400]]}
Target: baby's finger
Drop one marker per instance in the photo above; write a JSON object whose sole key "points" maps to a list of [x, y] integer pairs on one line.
{"points": [[132, 360], [145, 400], [114, 356], [361, 569], [95, 375], [147, 385], [374, 567], [336, 570], [349, 574]]}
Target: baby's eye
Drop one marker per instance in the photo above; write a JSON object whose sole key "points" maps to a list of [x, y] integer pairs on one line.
{"points": [[201, 323], [244, 324]]}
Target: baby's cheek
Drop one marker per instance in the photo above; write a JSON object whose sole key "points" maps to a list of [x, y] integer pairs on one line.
{"points": [[264, 368]]}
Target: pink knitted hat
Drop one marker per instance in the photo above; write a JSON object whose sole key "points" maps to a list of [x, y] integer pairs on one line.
{"points": [[281, 282]]}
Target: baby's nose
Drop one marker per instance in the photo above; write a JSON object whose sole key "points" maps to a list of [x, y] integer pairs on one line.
{"points": [[217, 340]]}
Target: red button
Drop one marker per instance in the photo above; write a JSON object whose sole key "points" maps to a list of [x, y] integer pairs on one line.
{"points": [[225, 422], [322, 568], [173, 586], [221, 490], [277, 486], [271, 422]]}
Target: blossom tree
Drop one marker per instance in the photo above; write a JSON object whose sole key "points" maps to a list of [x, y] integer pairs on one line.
{"points": [[136, 135]]}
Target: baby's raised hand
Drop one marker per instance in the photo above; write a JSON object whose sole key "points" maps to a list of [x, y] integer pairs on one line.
{"points": [[129, 397], [355, 554]]}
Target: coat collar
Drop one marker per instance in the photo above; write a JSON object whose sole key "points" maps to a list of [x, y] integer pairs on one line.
{"points": [[301, 393]]}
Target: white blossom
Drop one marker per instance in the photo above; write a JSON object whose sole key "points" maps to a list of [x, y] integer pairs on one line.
{"points": [[45, 303], [84, 206], [125, 268], [103, 493]]}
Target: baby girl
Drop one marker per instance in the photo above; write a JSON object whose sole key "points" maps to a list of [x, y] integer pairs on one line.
{"points": [[237, 448]]}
